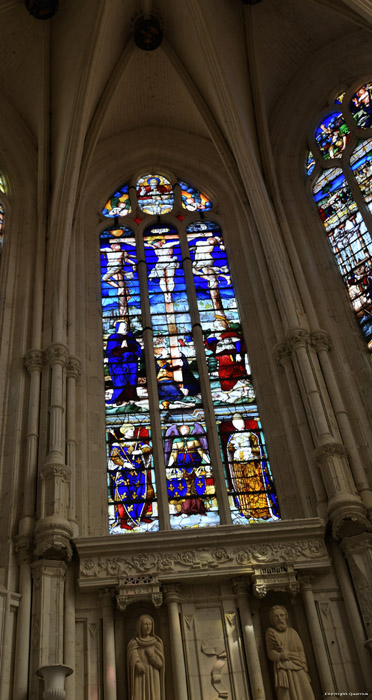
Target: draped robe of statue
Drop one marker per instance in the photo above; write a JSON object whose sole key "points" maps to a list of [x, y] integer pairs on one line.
{"points": [[292, 681], [146, 652]]}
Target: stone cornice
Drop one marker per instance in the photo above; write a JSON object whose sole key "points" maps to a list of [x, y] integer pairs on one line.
{"points": [[226, 551]]}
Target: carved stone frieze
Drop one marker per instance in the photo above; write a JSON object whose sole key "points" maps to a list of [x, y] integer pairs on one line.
{"points": [[233, 560]]}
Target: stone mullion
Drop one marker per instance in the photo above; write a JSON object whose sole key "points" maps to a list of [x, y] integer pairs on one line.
{"points": [[345, 508], [283, 357], [322, 345], [212, 434], [152, 386]]}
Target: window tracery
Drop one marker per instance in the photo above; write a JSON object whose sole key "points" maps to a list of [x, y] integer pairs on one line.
{"points": [[183, 432], [339, 167]]}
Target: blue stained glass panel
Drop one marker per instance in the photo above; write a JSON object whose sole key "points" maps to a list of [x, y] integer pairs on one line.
{"points": [[130, 475], [310, 163], [248, 478], [189, 472]]}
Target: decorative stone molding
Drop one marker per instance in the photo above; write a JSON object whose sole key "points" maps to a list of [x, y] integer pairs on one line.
{"points": [[298, 338], [282, 354], [73, 367], [34, 360], [105, 561], [321, 340], [274, 578], [53, 538], [57, 353], [133, 589]]}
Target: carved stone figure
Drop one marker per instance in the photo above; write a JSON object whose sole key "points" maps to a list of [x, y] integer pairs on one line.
{"points": [[146, 663], [284, 648]]}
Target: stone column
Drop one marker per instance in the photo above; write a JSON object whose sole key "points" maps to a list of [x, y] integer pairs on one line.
{"points": [[358, 550], [72, 371], [69, 630], [316, 635], [22, 651], [172, 598], [240, 587], [345, 508], [47, 617], [109, 658]]}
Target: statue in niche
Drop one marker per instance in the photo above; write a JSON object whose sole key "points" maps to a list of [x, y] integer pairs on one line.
{"points": [[284, 648], [146, 662]]}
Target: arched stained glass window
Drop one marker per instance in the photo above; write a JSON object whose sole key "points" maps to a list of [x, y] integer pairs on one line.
{"points": [[339, 166], [185, 446]]}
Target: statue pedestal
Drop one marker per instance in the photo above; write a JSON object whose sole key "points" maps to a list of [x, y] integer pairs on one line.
{"points": [[54, 677]]}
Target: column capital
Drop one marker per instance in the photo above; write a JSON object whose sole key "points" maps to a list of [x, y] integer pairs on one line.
{"points": [[23, 549], [73, 367], [298, 338], [241, 585], [282, 354], [53, 538], [172, 593], [306, 582], [48, 567], [57, 353], [34, 360], [321, 340]]}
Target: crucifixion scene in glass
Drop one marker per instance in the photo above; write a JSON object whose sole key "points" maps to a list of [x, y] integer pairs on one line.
{"points": [[182, 425]]}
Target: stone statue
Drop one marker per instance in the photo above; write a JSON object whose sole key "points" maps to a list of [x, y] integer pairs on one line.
{"points": [[284, 648], [146, 663]]}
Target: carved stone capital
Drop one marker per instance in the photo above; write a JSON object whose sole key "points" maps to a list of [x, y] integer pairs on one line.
{"points": [[48, 567], [73, 367], [323, 452], [321, 340], [240, 585], [172, 593], [57, 353], [133, 589], [348, 516], [306, 582], [56, 471], [298, 338], [282, 354], [23, 549], [34, 360], [53, 536]]}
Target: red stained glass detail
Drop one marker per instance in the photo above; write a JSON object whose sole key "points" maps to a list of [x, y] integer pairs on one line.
{"points": [[137, 220]]}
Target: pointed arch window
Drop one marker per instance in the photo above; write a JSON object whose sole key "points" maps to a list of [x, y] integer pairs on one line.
{"points": [[185, 446], [339, 167]]}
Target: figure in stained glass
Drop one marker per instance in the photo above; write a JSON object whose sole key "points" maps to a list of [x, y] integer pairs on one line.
{"points": [[332, 135], [192, 199], [155, 194], [118, 204], [166, 265], [129, 470], [310, 163], [120, 267], [175, 379], [229, 351], [361, 106], [205, 265], [123, 353], [249, 477], [189, 477]]}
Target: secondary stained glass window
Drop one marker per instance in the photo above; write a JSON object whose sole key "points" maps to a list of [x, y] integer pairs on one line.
{"points": [[332, 135], [192, 199], [118, 204], [344, 199], [168, 297], [2, 184], [1, 226]]}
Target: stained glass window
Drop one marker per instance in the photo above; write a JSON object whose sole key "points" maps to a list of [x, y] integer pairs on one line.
{"points": [[180, 403], [340, 97], [344, 197], [192, 199], [118, 204], [2, 184], [310, 163]]}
